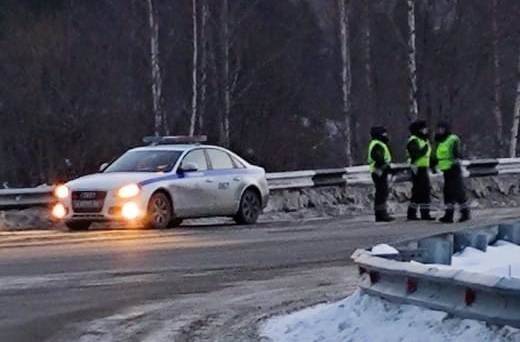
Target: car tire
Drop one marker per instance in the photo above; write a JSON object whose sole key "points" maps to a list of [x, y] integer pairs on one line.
{"points": [[250, 208], [175, 222], [160, 212], [77, 226]]}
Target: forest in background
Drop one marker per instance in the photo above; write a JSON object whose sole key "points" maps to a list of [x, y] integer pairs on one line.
{"points": [[287, 84]]}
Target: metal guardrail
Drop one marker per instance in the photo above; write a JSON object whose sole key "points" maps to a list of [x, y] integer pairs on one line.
{"points": [[41, 196], [25, 198], [484, 297]]}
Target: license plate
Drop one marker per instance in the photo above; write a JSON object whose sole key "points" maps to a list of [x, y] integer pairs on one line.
{"points": [[87, 204]]}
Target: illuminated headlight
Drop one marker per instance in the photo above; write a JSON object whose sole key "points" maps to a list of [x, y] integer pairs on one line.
{"points": [[61, 192], [130, 211], [59, 211], [130, 190]]}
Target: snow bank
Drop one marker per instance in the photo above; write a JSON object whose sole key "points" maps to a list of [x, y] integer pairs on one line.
{"points": [[365, 318], [501, 259], [383, 249]]}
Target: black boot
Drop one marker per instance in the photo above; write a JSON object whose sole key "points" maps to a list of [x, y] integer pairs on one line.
{"points": [[465, 215], [448, 216], [425, 215], [383, 216], [412, 214]]}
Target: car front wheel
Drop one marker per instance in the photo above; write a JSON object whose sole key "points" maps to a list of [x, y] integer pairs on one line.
{"points": [[160, 213], [78, 225], [250, 208]]}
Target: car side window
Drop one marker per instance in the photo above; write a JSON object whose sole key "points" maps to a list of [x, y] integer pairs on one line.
{"points": [[197, 157], [220, 160], [238, 163]]}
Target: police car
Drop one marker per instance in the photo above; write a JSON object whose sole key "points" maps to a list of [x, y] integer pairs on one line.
{"points": [[159, 185]]}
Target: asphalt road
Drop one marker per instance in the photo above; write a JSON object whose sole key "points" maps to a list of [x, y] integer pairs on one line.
{"points": [[195, 283]]}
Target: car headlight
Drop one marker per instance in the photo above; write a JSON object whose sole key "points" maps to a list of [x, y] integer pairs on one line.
{"points": [[130, 190], [61, 192], [130, 211], [59, 211]]}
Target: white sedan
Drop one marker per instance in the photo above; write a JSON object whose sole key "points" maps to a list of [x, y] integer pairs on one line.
{"points": [[162, 184]]}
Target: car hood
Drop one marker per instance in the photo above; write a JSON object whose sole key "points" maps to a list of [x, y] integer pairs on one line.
{"points": [[111, 180]]}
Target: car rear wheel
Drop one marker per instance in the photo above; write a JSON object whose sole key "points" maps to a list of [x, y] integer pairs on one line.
{"points": [[250, 208], [160, 212], [78, 225]]}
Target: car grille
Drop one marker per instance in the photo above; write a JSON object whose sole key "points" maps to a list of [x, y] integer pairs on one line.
{"points": [[88, 201]]}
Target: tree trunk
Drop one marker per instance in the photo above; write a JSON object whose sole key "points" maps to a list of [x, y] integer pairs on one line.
{"points": [[412, 66], [497, 97], [204, 65], [346, 80], [194, 99], [516, 116], [368, 61], [225, 134], [156, 70]]}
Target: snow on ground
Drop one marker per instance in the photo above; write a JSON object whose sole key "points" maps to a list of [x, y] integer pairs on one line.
{"points": [[364, 318], [500, 259]]}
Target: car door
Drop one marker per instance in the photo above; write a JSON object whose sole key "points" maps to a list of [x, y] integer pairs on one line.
{"points": [[227, 180], [192, 191]]}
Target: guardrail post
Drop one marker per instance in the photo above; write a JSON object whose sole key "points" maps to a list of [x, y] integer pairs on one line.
{"points": [[509, 232], [437, 249]]}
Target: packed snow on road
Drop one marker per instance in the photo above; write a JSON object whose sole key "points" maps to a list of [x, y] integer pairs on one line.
{"points": [[361, 317]]}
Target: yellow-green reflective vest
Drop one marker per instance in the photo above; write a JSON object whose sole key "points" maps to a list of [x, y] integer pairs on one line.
{"points": [[424, 161], [444, 152], [388, 154]]}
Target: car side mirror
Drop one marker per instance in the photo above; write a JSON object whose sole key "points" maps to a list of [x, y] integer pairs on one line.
{"points": [[103, 167], [188, 167]]}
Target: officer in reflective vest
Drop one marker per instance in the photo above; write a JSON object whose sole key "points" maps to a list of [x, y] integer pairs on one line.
{"points": [[447, 159], [379, 159], [419, 152]]}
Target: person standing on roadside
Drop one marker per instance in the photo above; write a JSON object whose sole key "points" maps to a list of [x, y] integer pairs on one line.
{"points": [[379, 159], [447, 159], [419, 153]]}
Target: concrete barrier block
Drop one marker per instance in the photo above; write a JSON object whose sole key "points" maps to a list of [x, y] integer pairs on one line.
{"points": [[509, 232], [437, 250], [475, 239], [491, 233]]}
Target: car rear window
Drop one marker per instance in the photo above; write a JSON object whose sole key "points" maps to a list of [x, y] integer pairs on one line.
{"points": [[220, 160]]}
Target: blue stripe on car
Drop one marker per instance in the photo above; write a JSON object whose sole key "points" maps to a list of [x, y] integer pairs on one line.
{"points": [[197, 175]]}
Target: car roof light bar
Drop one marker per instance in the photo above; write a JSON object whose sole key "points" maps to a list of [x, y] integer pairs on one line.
{"points": [[178, 139]]}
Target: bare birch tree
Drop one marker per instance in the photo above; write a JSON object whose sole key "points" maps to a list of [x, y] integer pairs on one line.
{"points": [[156, 69], [195, 74], [412, 64], [346, 78], [367, 41], [226, 44], [204, 64], [516, 116], [497, 96]]}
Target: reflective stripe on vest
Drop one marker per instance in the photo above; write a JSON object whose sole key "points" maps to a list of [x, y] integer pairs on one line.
{"points": [[444, 153], [388, 155], [423, 161]]}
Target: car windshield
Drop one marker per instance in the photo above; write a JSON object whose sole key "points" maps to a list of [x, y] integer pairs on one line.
{"points": [[145, 161]]}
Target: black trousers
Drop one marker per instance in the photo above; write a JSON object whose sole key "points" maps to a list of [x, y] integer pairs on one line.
{"points": [[382, 191], [421, 193], [454, 189]]}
